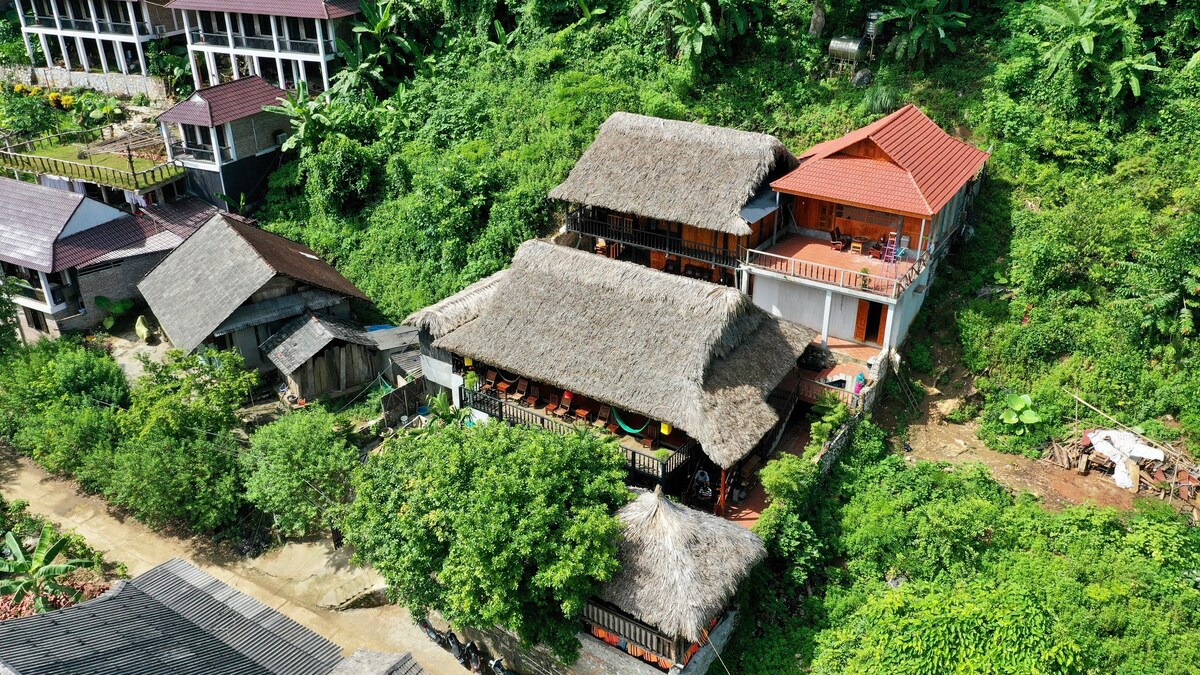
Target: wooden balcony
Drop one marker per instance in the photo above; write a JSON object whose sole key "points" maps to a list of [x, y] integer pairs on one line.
{"points": [[643, 637], [627, 232], [641, 464]]}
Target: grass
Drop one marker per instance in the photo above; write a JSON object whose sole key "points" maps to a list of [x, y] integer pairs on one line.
{"points": [[114, 166]]}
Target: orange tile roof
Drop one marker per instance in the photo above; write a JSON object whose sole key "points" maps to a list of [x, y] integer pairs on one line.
{"points": [[919, 172]]}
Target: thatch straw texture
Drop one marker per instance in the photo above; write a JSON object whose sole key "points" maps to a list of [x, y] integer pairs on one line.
{"points": [[679, 566], [699, 356], [681, 172]]}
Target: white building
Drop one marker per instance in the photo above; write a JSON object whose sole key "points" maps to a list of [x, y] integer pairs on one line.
{"points": [[282, 41], [107, 36]]}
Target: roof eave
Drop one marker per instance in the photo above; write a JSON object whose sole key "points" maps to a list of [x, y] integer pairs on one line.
{"points": [[838, 200]]}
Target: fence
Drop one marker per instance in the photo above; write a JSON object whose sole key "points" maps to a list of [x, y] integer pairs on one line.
{"points": [[92, 173], [403, 401], [641, 634]]}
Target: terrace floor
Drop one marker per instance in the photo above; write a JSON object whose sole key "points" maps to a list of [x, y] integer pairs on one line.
{"points": [[747, 512], [70, 153], [858, 352], [817, 252]]}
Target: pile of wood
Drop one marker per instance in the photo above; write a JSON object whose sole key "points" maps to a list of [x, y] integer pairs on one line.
{"points": [[1174, 479]]}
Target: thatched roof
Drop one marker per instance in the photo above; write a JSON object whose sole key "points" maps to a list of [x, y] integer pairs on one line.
{"points": [[697, 355], [681, 172], [679, 566]]}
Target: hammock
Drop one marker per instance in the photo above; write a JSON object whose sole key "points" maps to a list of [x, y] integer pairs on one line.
{"points": [[626, 427]]}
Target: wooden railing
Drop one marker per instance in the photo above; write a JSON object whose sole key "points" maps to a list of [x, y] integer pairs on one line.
{"points": [[639, 462], [641, 634], [81, 136], [578, 221], [129, 180], [811, 391]]}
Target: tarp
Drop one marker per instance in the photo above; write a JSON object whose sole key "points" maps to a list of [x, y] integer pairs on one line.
{"points": [[1120, 446]]}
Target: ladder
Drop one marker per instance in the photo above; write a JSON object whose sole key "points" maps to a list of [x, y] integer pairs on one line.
{"points": [[889, 253]]}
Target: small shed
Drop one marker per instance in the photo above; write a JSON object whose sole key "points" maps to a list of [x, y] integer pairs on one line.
{"points": [[321, 357], [399, 352]]}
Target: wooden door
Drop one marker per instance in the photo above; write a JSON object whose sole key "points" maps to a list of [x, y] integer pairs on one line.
{"points": [[882, 330], [860, 323]]}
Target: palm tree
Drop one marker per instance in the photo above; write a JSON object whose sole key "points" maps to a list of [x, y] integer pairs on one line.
{"points": [[36, 574]]}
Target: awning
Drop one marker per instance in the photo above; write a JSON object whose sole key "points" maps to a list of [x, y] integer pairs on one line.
{"points": [[283, 307], [763, 204]]}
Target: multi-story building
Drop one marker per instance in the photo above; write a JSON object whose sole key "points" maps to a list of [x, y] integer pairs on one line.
{"points": [[107, 36], [281, 42]]}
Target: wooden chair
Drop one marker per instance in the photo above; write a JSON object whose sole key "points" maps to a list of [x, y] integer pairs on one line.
{"points": [[564, 405], [535, 395], [552, 405], [522, 389], [603, 416], [489, 383], [876, 253], [651, 436]]}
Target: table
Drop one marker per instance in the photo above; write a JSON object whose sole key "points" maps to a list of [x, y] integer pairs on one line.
{"points": [[583, 414], [856, 244], [503, 387]]}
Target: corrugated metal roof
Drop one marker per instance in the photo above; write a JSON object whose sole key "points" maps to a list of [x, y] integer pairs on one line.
{"points": [[364, 662], [171, 620], [306, 9], [31, 219], [224, 103], [283, 307], [394, 337], [304, 337], [919, 172]]}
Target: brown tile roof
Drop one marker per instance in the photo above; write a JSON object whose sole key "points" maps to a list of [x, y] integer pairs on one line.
{"points": [[305, 9], [159, 229], [918, 172], [295, 260], [31, 219], [223, 103]]}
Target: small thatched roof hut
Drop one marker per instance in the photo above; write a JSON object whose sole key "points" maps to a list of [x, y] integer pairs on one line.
{"points": [[683, 172], [699, 356], [679, 566]]}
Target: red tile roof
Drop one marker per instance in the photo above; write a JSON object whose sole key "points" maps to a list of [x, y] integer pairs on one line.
{"points": [[305, 9], [919, 171], [223, 103]]}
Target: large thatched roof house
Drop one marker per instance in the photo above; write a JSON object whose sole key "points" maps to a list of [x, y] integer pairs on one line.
{"points": [[679, 570], [677, 196], [698, 357]]}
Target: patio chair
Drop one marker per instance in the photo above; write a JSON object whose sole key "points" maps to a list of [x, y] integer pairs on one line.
{"points": [[489, 383], [650, 437], [876, 253], [603, 416], [552, 405], [837, 241], [564, 406], [535, 395], [522, 389]]}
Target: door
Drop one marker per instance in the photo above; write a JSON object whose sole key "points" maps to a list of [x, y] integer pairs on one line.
{"points": [[871, 322]]}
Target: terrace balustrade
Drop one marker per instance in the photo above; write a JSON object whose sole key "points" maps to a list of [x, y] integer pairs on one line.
{"points": [[580, 222], [262, 42], [642, 635]]}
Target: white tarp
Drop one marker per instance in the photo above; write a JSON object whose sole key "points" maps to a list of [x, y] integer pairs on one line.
{"points": [[1119, 446]]}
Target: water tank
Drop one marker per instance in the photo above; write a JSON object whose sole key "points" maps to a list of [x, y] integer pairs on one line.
{"points": [[874, 27], [846, 48]]}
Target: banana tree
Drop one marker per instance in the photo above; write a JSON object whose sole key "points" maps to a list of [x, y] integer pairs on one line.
{"points": [[35, 574]]}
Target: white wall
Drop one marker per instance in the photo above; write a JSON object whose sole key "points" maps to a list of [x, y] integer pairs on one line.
{"points": [[441, 372], [806, 305], [909, 305], [90, 214]]}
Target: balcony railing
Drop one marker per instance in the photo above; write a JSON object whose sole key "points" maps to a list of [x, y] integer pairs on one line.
{"points": [[262, 42], [642, 635], [202, 38], [86, 25], [27, 289], [199, 153], [811, 391], [92, 173], [639, 462], [577, 221], [887, 286], [254, 42]]}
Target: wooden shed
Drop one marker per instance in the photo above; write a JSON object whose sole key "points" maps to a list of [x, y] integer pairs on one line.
{"points": [[322, 357]]}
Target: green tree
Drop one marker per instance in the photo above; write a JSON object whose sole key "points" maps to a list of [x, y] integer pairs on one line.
{"points": [[493, 524], [178, 455], [924, 27], [299, 468], [1101, 37], [10, 337], [35, 574], [311, 118]]}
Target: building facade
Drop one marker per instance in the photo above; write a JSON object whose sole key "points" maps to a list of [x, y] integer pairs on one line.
{"points": [[282, 42]]}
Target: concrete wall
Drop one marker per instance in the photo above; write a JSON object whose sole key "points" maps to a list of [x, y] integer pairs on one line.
{"points": [[806, 305], [115, 84]]}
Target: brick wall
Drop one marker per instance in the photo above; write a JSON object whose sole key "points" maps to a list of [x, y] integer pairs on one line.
{"points": [[115, 283]]}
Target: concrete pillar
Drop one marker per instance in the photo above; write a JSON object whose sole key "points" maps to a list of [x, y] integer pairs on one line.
{"points": [[166, 136], [83, 54], [825, 318], [45, 50], [921, 239], [321, 50], [24, 35], [889, 324], [298, 74], [138, 45], [210, 63]]}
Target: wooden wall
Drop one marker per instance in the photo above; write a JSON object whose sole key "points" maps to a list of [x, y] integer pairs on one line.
{"points": [[339, 367]]}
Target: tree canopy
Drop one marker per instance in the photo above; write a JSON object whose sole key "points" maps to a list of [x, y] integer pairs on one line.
{"points": [[493, 524]]}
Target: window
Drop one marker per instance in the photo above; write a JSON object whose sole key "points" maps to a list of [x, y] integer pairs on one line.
{"points": [[862, 215]]}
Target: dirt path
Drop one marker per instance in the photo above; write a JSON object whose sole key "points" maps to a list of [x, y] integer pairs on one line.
{"points": [[294, 579]]}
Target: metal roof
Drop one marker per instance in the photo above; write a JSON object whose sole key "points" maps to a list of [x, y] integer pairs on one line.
{"points": [[363, 662], [31, 219], [761, 205], [171, 620], [306, 9], [915, 168], [200, 285], [394, 337], [224, 103], [283, 307], [304, 337]]}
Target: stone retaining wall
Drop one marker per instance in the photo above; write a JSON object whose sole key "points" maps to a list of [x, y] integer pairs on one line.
{"points": [[114, 84]]}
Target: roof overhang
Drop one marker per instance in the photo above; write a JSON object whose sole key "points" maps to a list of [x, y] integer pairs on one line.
{"points": [[838, 200]]}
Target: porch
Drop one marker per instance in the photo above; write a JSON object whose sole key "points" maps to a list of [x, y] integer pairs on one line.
{"points": [[801, 256], [626, 230], [638, 639], [653, 458]]}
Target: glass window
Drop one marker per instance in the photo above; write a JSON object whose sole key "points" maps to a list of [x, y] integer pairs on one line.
{"points": [[862, 215]]}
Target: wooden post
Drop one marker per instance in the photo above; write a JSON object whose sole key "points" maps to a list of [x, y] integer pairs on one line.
{"points": [[720, 510]]}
